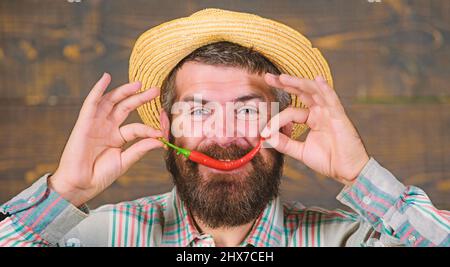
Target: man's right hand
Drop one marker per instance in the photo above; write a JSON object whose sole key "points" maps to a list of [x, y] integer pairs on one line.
{"points": [[93, 158]]}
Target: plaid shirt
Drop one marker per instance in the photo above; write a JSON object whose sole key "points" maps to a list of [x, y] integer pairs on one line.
{"points": [[386, 213]]}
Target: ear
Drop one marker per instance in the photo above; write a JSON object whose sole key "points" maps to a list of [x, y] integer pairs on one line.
{"points": [[287, 129], [165, 124]]}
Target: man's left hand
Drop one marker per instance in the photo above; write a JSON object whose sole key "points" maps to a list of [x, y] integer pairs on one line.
{"points": [[333, 147]]}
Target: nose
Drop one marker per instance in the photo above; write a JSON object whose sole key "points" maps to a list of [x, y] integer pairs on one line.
{"points": [[222, 130]]}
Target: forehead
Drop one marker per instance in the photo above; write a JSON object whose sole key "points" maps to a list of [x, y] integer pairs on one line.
{"points": [[218, 83]]}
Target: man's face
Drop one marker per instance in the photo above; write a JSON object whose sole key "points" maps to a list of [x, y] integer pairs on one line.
{"points": [[223, 111]]}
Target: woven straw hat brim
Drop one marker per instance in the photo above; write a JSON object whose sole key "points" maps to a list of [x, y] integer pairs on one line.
{"points": [[158, 50]]}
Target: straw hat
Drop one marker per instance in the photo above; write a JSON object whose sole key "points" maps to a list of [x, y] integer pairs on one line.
{"points": [[158, 50]]}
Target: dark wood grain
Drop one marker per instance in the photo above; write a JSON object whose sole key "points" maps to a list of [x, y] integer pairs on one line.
{"points": [[390, 62]]}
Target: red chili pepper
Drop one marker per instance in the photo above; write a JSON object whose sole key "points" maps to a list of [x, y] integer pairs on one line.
{"points": [[203, 159]]}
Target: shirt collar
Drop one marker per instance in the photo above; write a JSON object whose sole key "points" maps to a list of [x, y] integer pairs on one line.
{"points": [[179, 229]]}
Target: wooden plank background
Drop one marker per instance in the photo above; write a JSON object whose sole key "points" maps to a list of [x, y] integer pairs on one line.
{"points": [[390, 62]]}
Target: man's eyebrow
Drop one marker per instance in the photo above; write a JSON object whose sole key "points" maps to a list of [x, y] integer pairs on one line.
{"points": [[243, 98], [194, 98], [249, 97]]}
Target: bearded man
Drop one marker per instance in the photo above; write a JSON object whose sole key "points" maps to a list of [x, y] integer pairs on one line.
{"points": [[204, 83]]}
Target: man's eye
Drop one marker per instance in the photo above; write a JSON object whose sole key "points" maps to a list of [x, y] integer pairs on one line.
{"points": [[247, 113], [200, 111]]}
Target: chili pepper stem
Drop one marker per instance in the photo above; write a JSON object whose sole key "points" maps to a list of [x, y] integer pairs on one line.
{"points": [[185, 152]]}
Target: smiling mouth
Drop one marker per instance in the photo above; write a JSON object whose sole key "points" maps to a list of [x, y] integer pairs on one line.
{"points": [[215, 162]]}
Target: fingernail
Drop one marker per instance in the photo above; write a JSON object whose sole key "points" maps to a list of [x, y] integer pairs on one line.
{"points": [[265, 133]]}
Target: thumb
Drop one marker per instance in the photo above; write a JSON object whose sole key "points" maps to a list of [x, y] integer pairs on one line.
{"points": [[135, 152], [284, 144]]}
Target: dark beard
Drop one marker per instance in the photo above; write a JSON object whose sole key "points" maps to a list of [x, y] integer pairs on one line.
{"points": [[223, 200]]}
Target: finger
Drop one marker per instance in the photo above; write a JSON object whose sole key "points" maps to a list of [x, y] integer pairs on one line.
{"points": [[135, 152], [303, 85], [121, 111], [93, 98], [329, 94], [281, 119], [310, 99], [115, 96], [284, 144], [305, 97], [133, 131], [273, 80]]}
